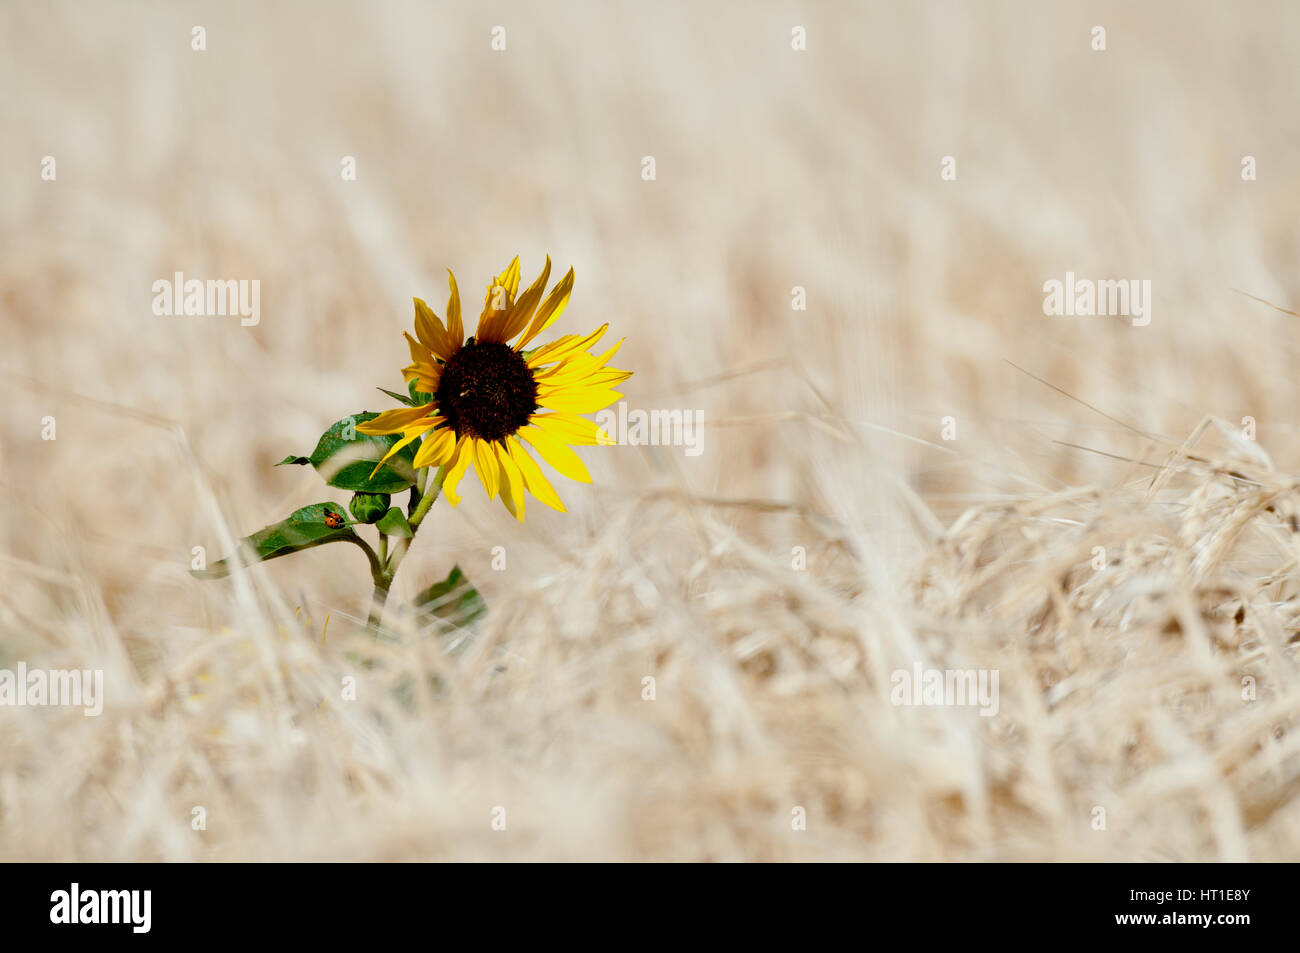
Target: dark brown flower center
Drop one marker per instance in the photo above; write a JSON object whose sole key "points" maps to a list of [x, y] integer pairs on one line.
{"points": [[486, 391]]}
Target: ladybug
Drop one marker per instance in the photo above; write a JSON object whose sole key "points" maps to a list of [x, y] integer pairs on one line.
{"points": [[333, 520]]}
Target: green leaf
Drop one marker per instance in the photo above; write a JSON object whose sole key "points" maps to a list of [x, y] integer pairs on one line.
{"points": [[346, 457], [402, 398], [452, 603], [303, 529], [300, 461], [393, 523]]}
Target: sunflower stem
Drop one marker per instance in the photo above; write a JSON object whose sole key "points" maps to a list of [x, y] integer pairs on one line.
{"points": [[426, 501], [399, 551], [383, 566], [381, 578], [376, 569], [377, 602]]}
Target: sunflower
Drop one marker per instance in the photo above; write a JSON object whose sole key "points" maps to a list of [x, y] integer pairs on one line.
{"points": [[490, 397]]}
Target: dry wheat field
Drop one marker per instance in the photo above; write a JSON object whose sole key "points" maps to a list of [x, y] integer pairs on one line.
{"points": [[828, 234]]}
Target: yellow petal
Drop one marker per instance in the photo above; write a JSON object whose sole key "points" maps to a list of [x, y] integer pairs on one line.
{"points": [[578, 400], [561, 348], [394, 421], [516, 319], [603, 378], [485, 464], [551, 309], [580, 374], [603, 359], [534, 479], [509, 279], [436, 449], [572, 429], [419, 353], [500, 297], [455, 327], [578, 363], [512, 482], [414, 435], [429, 329], [411, 432], [556, 453], [425, 376], [456, 469]]}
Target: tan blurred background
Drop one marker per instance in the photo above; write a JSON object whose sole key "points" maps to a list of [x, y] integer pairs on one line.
{"points": [[775, 168]]}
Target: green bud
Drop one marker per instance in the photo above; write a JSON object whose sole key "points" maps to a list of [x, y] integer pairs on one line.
{"points": [[369, 507]]}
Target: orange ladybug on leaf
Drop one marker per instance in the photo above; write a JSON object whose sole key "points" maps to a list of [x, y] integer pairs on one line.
{"points": [[333, 520]]}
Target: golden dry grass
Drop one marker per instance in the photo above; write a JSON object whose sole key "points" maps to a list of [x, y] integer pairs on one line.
{"points": [[1121, 687]]}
